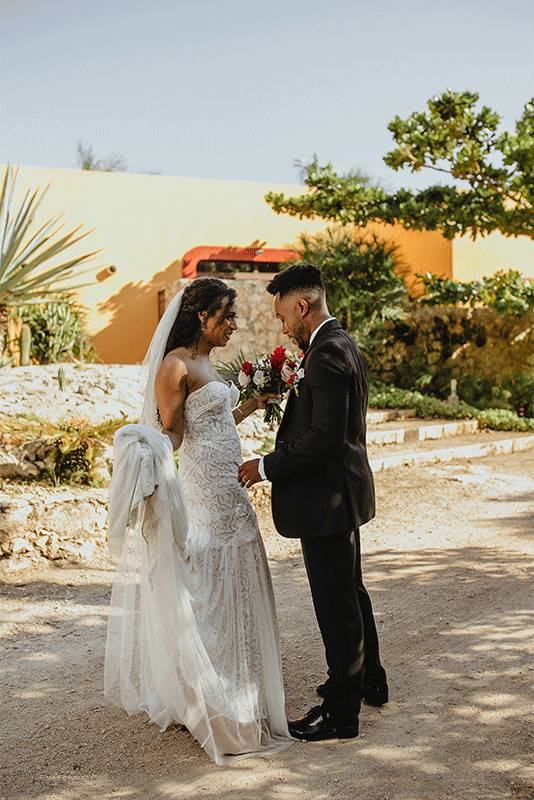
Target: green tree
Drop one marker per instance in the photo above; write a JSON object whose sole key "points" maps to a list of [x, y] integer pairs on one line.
{"points": [[493, 175], [29, 268]]}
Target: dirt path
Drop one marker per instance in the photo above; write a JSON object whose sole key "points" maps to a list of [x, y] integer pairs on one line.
{"points": [[447, 565]]}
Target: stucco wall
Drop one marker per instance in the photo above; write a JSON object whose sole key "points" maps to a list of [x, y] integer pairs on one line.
{"points": [[485, 256], [145, 223]]}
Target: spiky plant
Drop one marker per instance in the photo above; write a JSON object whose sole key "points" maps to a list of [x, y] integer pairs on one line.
{"points": [[29, 271]]}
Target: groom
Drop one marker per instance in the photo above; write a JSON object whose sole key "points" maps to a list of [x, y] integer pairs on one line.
{"points": [[322, 491]]}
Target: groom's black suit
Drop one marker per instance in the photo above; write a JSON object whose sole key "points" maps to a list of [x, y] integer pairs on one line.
{"points": [[322, 491]]}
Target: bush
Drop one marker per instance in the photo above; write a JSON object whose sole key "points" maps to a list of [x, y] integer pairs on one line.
{"points": [[387, 396], [362, 277], [71, 451], [57, 331]]}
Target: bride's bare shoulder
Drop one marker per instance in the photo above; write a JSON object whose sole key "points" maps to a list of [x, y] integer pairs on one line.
{"points": [[174, 368]]}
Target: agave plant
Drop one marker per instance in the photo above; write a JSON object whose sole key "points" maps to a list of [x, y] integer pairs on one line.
{"points": [[29, 271]]}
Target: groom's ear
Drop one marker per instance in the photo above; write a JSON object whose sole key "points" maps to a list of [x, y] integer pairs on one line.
{"points": [[303, 306]]}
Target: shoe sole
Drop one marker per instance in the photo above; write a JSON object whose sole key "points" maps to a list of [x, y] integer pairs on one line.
{"points": [[327, 738], [348, 734]]}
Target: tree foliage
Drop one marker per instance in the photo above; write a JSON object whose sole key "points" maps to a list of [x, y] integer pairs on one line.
{"points": [[494, 174], [505, 292], [87, 160]]}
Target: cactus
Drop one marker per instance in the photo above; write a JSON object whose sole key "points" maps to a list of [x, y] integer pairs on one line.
{"points": [[25, 345], [61, 379]]}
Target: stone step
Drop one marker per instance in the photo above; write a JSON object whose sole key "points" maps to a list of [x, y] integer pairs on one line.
{"points": [[466, 446], [376, 415], [419, 430]]}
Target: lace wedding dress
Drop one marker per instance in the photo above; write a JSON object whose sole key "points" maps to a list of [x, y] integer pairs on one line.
{"points": [[194, 636]]}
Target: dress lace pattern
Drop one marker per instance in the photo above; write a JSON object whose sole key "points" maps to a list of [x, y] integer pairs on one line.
{"points": [[214, 663]]}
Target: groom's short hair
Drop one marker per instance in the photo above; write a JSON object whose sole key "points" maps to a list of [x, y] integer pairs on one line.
{"points": [[299, 277]]}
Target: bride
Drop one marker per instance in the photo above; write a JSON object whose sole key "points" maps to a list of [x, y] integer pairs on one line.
{"points": [[192, 634]]}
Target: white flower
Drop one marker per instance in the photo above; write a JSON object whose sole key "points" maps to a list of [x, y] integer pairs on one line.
{"points": [[286, 373], [300, 374], [243, 379], [259, 378]]}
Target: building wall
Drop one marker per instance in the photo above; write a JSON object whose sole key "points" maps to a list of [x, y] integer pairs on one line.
{"points": [[486, 256], [145, 224]]}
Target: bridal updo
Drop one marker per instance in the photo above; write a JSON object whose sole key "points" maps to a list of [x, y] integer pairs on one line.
{"points": [[202, 294]]}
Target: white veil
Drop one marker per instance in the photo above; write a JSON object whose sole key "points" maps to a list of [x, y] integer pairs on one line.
{"points": [[153, 359]]}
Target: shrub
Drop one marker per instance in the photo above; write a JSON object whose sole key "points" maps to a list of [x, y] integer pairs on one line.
{"points": [[362, 277], [57, 331], [387, 396]]}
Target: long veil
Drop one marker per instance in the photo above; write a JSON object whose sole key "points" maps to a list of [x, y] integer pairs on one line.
{"points": [[153, 359]]}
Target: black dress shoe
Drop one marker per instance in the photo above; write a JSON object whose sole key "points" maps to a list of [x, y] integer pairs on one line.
{"points": [[376, 694], [317, 725]]}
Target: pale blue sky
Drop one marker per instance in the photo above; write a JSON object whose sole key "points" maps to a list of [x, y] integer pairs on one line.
{"points": [[238, 90]]}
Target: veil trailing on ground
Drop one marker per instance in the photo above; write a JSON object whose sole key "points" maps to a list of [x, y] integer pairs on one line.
{"points": [[153, 359]]}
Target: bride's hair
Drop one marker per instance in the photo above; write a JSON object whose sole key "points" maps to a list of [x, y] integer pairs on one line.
{"points": [[202, 294]]}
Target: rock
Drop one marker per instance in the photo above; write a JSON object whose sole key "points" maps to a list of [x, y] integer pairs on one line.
{"points": [[94, 392], [19, 545], [54, 523]]}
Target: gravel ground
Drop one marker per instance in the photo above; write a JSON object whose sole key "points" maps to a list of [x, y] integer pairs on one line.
{"points": [[448, 564]]}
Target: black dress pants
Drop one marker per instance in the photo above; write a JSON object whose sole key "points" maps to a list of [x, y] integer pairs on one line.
{"points": [[345, 616]]}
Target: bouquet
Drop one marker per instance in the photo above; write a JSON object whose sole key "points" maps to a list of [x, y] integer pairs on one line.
{"points": [[277, 373]]}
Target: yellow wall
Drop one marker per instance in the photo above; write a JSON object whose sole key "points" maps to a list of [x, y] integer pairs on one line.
{"points": [[485, 256], [419, 251], [146, 223]]}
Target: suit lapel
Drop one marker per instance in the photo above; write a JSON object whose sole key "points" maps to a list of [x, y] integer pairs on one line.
{"points": [[329, 326]]}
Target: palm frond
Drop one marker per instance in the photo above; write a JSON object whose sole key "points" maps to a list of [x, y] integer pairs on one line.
{"points": [[231, 369]]}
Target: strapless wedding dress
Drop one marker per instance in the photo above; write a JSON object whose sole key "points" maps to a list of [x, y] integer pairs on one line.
{"points": [[206, 652]]}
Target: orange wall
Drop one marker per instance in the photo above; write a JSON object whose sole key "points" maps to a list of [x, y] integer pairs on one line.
{"points": [[146, 223], [420, 251]]}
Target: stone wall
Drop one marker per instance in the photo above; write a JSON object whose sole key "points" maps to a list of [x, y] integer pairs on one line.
{"points": [[465, 340], [39, 523], [54, 524], [257, 327]]}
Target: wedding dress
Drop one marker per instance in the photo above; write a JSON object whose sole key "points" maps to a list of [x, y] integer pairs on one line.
{"points": [[192, 636]]}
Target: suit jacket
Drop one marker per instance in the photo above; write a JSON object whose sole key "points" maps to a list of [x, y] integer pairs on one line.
{"points": [[322, 483]]}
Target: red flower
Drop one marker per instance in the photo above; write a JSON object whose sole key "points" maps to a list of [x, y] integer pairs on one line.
{"points": [[277, 359], [247, 367]]}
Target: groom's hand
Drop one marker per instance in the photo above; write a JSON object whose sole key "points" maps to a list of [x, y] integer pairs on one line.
{"points": [[248, 473]]}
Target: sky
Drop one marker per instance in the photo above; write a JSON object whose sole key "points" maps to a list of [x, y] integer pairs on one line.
{"points": [[240, 90]]}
